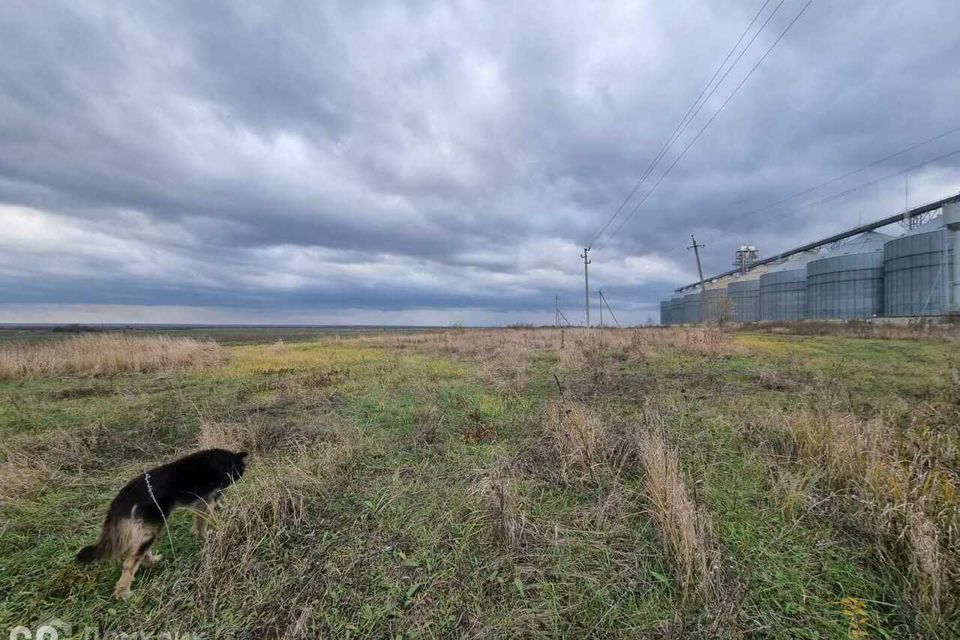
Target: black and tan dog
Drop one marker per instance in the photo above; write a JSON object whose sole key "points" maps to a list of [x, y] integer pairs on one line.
{"points": [[139, 512]]}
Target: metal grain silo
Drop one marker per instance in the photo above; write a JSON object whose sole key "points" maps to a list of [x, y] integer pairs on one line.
{"points": [[691, 307], [744, 297], [676, 309], [666, 311], [917, 273], [847, 282], [783, 291], [744, 294], [716, 303]]}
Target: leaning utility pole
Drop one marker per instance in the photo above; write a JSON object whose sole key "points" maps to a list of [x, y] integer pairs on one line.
{"points": [[603, 301], [556, 311], [703, 295], [600, 293], [586, 281]]}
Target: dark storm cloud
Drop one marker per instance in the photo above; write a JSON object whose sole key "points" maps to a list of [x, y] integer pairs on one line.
{"points": [[391, 156]]}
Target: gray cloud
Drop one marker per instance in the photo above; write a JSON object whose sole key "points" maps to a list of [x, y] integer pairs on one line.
{"points": [[339, 159]]}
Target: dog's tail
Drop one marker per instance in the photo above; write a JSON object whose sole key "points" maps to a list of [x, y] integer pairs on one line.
{"points": [[112, 541]]}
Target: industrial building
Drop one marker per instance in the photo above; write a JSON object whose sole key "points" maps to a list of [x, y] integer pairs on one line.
{"points": [[859, 273]]}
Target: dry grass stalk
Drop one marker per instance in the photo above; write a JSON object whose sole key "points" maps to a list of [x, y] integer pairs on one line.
{"points": [[105, 354], [683, 528], [926, 564], [496, 490]]}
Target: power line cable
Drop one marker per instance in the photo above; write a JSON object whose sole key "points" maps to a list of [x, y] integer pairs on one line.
{"points": [[854, 172], [687, 118], [876, 180], [712, 118]]}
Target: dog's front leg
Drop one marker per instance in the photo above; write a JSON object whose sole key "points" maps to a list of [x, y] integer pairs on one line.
{"points": [[200, 517], [150, 559]]}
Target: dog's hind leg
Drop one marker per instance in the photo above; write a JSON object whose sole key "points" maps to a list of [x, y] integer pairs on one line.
{"points": [[138, 548], [130, 566]]}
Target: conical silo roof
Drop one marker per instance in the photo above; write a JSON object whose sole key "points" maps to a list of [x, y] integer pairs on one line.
{"points": [[867, 242]]}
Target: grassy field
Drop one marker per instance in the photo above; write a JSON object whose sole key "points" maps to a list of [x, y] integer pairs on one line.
{"points": [[661, 483]]}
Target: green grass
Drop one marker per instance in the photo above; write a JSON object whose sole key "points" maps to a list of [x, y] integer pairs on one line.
{"points": [[390, 537]]}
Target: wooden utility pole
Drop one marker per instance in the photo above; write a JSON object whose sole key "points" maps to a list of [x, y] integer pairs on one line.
{"points": [[586, 281], [703, 294], [556, 311], [600, 293]]}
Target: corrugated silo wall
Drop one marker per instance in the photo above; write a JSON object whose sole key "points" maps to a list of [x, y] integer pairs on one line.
{"points": [[744, 300], [916, 274], [783, 295], [666, 307], [691, 308], [717, 305], [845, 286], [676, 313]]}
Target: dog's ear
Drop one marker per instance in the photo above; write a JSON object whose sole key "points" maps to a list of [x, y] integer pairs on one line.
{"points": [[242, 455]]}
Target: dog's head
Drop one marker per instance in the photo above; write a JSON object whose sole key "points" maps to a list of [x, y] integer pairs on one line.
{"points": [[239, 464]]}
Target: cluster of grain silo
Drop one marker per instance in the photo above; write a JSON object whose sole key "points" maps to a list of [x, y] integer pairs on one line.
{"points": [[858, 274]]}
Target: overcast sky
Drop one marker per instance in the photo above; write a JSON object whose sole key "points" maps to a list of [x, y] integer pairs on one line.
{"points": [[436, 162]]}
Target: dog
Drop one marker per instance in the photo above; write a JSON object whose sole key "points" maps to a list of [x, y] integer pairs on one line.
{"points": [[141, 509]]}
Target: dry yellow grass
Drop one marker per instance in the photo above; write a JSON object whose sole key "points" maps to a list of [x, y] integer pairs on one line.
{"points": [[683, 528], [576, 438], [105, 354], [913, 330], [255, 434], [29, 461], [21, 477], [266, 520], [503, 354], [857, 456]]}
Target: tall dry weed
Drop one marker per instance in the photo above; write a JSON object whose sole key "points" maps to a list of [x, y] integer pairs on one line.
{"points": [[495, 489], [105, 354], [684, 529], [576, 439]]}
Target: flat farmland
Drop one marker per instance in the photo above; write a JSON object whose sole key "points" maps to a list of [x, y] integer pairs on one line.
{"points": [[513, 483]]}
